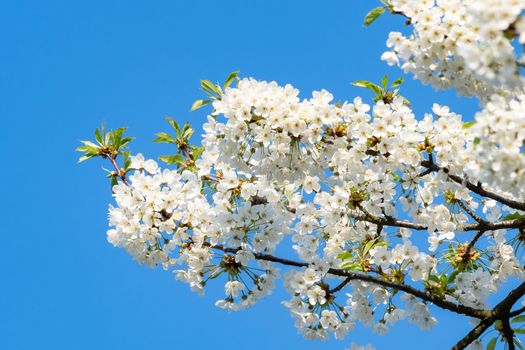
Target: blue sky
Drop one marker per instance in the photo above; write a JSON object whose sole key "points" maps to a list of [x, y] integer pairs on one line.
{"points": [[66, 66]]}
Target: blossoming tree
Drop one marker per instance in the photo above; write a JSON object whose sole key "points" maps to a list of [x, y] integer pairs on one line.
{"points": [[350, 185]]}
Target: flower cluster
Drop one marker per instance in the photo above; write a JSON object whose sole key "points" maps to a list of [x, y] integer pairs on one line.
{"points": [[464, 44], [334, 178]]}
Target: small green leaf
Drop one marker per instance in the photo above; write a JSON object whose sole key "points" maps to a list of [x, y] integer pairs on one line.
{"points": [[187, 133], [513, 216], [373, 15], [368, 85], [199, 103], [492, 343], [173, 159], [368, 246], [230, 78], [468, 124], [396, 83], [174, 125], [349, 265], [114, 181], [519, 330], [453, 276], [162, 137], [197, 151], [98, 136], [384, 82], [344, 256], [84, 158], [517, 342], [518, 319], [212, 90]]}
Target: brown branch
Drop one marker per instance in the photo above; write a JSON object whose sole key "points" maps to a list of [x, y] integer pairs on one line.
{"points": [[340, 285], [508, 333], [517, 312], [470, 212], [478, 188], [119, 172], [500, 312], [483, 226], [473, 334], [350, 275]]}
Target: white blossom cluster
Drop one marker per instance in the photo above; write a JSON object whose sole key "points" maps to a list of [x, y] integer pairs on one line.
{"points": [[331, 178], [464, 44]]}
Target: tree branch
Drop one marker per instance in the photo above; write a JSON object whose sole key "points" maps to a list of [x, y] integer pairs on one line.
{"points": [[475, 188], [500, 312], [350, 276], [508, 333]]}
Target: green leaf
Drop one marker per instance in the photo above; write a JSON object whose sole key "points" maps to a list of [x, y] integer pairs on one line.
{"points": [[468, 124], [117, 137], [434, 278], [492, 343], [162, 137], [199, 103], [90, 144], [98, 136], [518, 343], [230, 78], [174, 125], [84, 158], [518, 319], [513, 216], [349, 265], [384, 81], [197, 151], [187, 133], [344, 256], [519, 330], [368, 246], [396, 83], [373, 15], [212, 90], [173, 159], [114, 181], [453, 276], [368, 85]]}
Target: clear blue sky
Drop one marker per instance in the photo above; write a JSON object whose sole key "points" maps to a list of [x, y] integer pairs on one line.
{"points": [[66, 66]]}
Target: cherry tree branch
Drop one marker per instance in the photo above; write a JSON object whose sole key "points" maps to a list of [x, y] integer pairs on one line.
{"points": [[351, 275], [500, 312], [476, 188]]}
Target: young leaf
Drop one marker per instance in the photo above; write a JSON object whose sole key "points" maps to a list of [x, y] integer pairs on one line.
{"points": [[162, 137], [349, 265], [230, 79], [384, 81], [344, 256], [513, 216], [199, 103], [518, 319], [468, 124], [396, 83], [174, 125], [368, 85], [98, 136], [173, 159], [197, 151], [492, 343], [373, 15]]}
